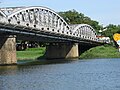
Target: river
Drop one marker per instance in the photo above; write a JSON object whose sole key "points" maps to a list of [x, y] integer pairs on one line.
{"points": [[96, 74]]}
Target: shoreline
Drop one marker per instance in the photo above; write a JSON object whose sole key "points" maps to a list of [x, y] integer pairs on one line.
{"points": [[104, 51]]}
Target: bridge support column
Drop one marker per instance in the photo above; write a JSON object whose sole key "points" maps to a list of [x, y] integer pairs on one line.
{"points": [[8, 50], [62, 51]]}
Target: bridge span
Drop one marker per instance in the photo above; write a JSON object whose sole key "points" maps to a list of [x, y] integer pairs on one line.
{"points": [[44, 25]]}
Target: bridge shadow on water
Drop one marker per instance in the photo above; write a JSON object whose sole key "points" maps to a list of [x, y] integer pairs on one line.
{"points": [[13, 69], [44, 61]]}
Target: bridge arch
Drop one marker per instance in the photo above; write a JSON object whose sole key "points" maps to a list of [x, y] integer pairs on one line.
{"points": [[40, 16], [84, 31], [2, 14]]}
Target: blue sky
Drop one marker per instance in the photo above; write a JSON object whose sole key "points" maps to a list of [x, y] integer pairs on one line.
{"points": [[104, 11]]}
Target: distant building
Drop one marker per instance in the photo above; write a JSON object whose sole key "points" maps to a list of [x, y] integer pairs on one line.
{"points": [[103, 39]]}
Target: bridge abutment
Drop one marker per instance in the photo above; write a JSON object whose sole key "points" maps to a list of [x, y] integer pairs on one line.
{"points": [[8, 50], [62, 51]]}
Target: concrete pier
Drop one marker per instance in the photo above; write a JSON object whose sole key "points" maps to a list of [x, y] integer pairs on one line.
{"points": [[8, 50], [62, 51]]}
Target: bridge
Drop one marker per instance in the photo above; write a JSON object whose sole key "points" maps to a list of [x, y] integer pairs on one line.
{"points": [[44, 25]]}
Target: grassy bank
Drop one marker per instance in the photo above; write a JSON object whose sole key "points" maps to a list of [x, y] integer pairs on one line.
{"points": [[95, 52], [30, 53], [101, 52]]}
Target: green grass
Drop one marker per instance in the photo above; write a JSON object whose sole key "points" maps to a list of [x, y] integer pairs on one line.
{"points": [[101, 52], [96, 52], [30, 53]]}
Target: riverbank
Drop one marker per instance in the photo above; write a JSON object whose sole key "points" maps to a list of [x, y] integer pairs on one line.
{"points": [[105, 51], [31, 53]]}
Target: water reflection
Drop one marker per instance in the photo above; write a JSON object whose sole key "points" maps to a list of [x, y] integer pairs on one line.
{"points": [[99, 74], [8, 70]]}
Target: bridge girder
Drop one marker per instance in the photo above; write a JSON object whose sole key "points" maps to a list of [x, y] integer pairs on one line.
{"points": [[40, 16], [84, 31]]}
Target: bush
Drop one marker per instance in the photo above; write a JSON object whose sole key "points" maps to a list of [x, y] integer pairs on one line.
{"points": [[105, 51]]}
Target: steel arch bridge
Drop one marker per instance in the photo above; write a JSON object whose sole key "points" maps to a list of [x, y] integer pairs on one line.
{"points": [[43, 22]]}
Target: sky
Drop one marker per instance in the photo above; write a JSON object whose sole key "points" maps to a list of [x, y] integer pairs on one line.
{"points": [[104, 11]]}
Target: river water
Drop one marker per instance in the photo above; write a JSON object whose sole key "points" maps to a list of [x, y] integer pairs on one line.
{"points": [[96, 74]]}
